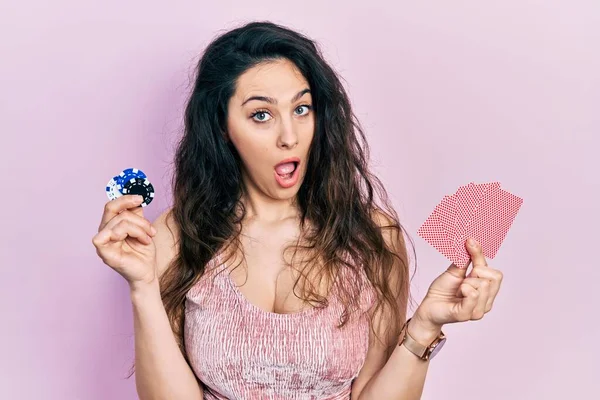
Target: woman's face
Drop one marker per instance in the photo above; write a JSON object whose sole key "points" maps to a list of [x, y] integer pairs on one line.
{"points": [[270, 120]]}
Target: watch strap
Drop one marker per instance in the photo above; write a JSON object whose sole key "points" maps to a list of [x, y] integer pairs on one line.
{"points": [[418, 349], [413, 346]]}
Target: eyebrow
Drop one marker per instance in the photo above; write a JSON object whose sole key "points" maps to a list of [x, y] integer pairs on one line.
{"points": [[271, 100]]}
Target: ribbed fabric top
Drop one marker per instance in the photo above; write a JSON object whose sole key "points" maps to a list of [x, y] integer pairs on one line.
{"points": [[240, 351]]}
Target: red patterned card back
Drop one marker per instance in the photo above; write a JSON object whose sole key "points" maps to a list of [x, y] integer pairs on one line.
{"points": [[468, 200], [431, 230], [493, 219], [483, 211]]}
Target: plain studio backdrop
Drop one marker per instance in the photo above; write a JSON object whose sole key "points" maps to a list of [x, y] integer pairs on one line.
{"points": [[448, 93]]}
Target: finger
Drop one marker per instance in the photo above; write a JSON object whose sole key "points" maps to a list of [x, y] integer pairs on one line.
{"points": [[495, 277], [459, 272], [114, 207], [102, 238], [102, 242], [464, 309], [482, 286], [134, 218], [125, 229], [476, 252]]}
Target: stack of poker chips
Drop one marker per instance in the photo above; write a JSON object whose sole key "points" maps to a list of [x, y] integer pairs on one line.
{"points": [[130, 181]]}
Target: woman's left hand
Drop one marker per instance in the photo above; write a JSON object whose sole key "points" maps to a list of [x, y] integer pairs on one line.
{"points": [[455, 297]]}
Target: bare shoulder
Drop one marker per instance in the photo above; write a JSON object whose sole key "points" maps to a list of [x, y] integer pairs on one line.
{"points": [[391, 231], [397, 275], [166, 240], [381, 218]]}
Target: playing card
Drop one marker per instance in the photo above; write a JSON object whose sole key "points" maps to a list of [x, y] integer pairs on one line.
{"points": [[468, 201], [493, 219], [445, 213], [431, 230], [483, 211]]}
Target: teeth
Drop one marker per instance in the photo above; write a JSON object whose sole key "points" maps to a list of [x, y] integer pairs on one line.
{"points": [[287, 176]]}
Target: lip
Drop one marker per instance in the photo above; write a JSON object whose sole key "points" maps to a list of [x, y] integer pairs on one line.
{"points": [[289, 160]]}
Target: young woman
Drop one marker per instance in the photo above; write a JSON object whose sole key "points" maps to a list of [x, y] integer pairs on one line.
{"points": [[281, 271]]}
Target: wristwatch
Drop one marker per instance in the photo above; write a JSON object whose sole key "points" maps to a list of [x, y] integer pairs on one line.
{"points": [[423, 352]]}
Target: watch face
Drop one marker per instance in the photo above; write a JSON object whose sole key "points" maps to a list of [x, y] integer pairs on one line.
{"points": [[437, 348]]}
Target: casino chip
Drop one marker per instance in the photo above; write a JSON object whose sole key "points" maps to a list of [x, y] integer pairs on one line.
{"points": [[129, 174], [141, 186], [113, 189]]}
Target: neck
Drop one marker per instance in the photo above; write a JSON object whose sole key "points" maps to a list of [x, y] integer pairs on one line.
{"points": [[261, 207]]}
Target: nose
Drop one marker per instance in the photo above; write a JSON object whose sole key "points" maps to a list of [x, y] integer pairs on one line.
{"points": [[287, 135]]}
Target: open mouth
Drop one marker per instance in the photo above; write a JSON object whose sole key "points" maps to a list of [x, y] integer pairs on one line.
{"points": [[287, 172]]}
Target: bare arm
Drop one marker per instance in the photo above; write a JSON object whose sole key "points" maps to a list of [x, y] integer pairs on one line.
{"points": [[161, 370], [391, 371], [401, 377], [452, 297]]}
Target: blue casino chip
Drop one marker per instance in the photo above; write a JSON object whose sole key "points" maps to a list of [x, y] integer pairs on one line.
{"points": [[127, 175]]}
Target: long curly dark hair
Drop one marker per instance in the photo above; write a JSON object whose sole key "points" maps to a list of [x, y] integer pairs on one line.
{"points": [[337, 199]]}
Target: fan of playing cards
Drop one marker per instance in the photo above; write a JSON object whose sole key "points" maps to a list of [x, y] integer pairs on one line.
{"points": [[483, 211]]}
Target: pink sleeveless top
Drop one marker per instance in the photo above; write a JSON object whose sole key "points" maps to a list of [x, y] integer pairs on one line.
{"points": [[240, 351]]}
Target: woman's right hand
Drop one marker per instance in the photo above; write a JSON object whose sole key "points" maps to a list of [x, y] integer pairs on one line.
{"points": [[124, 240]]}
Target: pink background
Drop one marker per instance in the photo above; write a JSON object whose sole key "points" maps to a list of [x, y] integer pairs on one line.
{"points": [[449, 92]]}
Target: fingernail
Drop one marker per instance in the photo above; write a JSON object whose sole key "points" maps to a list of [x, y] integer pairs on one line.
{"points": [[153, 230], [138, 199], [472, 242]]}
